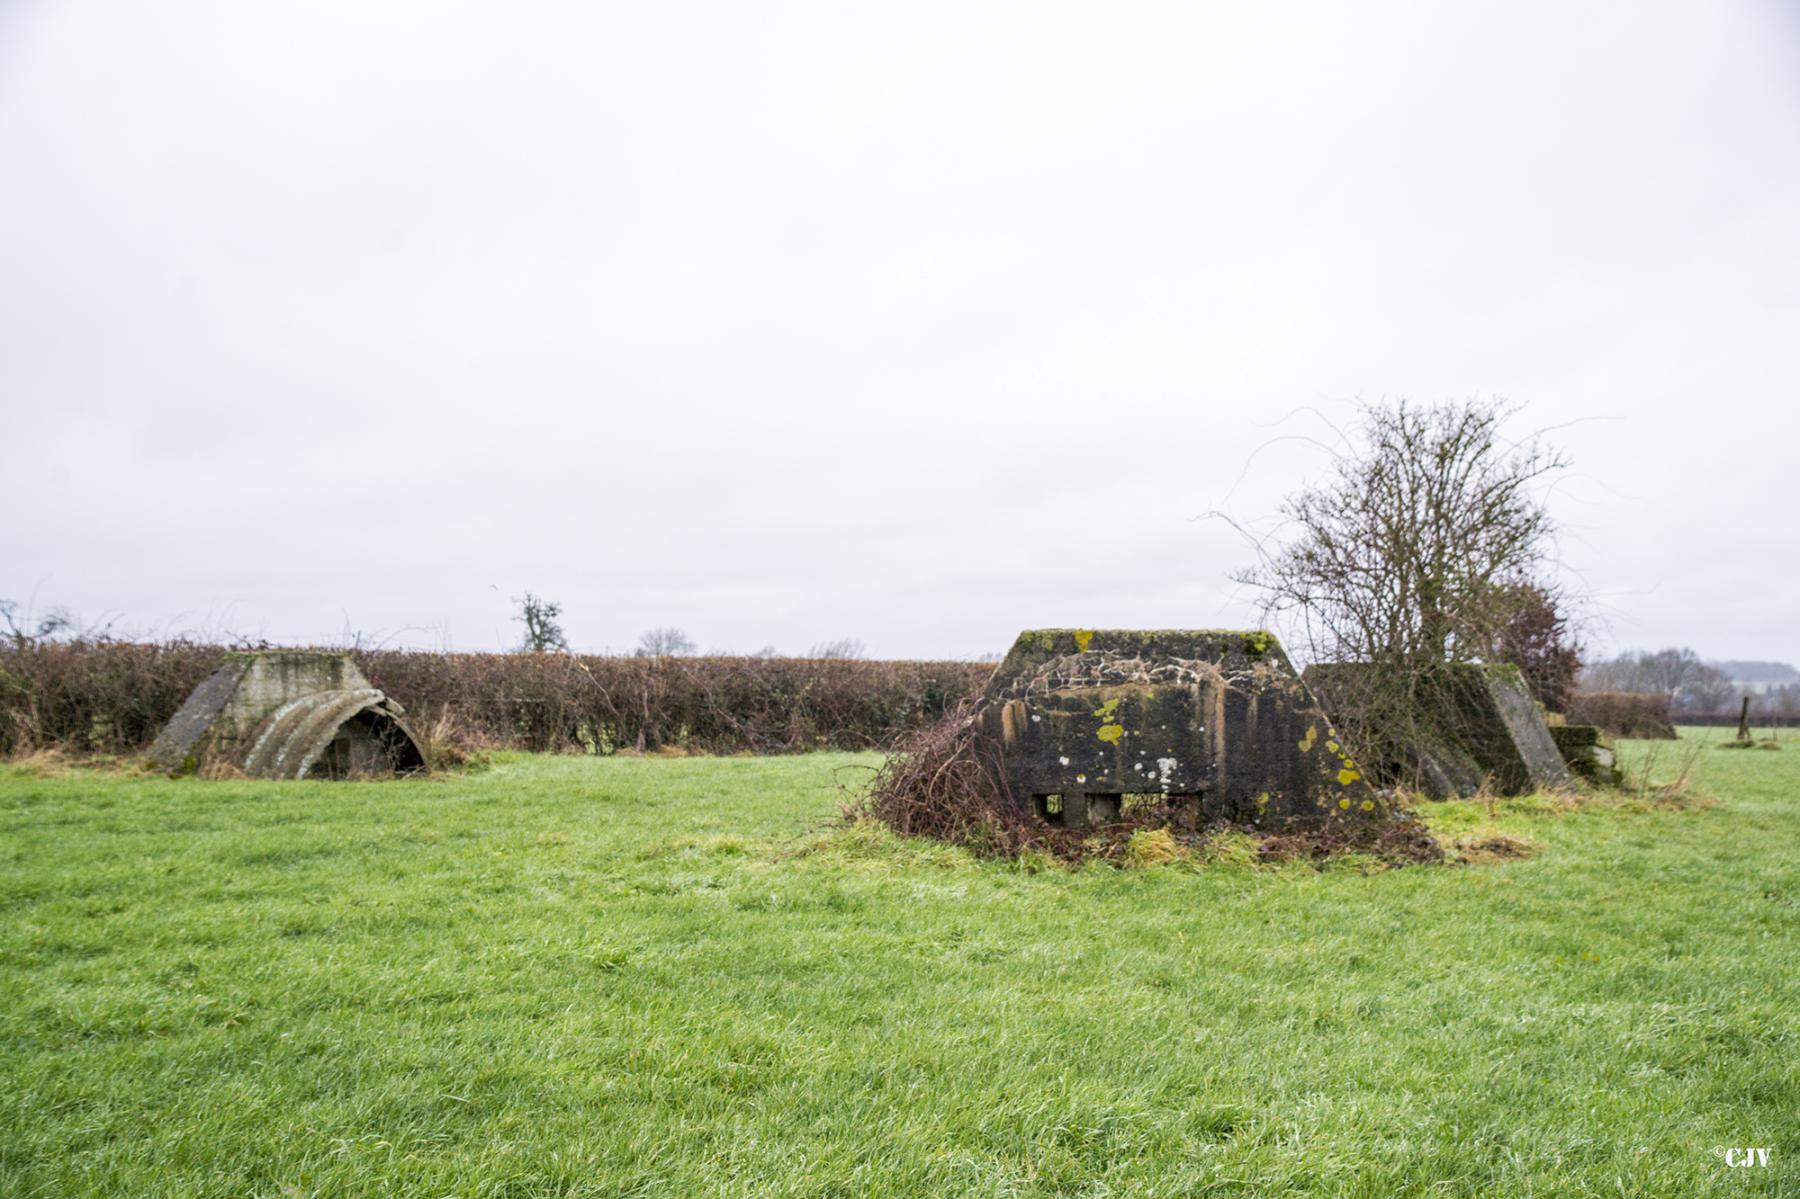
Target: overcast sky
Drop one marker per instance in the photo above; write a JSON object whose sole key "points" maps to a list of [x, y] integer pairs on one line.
{"points": [[915, 323]]}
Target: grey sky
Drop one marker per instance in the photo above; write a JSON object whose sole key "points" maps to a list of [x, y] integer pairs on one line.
{"points": [[916, 323]]}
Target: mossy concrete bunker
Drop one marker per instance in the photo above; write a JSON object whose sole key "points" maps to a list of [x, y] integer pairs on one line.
{"points": [[1213, 725], [288, 714]]}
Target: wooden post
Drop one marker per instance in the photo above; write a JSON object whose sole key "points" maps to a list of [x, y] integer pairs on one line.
{"points": [[1744, 722]]}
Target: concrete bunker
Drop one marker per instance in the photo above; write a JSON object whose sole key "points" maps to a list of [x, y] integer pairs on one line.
{"points": [[1096, 726], [1479, 726], [289, 715]]}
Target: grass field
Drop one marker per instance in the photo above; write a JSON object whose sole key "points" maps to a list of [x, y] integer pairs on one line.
{"points": [[577, 976]]}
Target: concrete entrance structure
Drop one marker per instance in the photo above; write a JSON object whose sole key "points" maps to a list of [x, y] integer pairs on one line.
{"points": [[1590, 753], [289, 714], [1482, 727], [1210, 725]]}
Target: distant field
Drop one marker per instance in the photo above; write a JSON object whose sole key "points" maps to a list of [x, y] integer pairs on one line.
{"points": [[579, 976]]}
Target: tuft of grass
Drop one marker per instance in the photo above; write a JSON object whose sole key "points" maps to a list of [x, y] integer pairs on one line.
{"points": [[569, 976], [37, 763], [1151, 847], [1231, 848]]}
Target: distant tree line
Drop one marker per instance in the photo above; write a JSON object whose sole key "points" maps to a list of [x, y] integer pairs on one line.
{"points": [[1694, 686]]}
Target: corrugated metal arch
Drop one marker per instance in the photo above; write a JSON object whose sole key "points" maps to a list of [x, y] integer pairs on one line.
{"points": [[290, 741]]}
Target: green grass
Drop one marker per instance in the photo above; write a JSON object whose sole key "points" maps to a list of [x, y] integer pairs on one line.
{"points": [[569, 976]]}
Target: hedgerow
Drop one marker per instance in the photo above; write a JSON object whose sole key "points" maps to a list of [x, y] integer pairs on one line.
{"points": [[111, 697]]}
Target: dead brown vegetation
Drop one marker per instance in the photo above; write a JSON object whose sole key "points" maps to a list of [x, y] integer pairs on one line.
{"points": [[106, 696], [1624, 713]]}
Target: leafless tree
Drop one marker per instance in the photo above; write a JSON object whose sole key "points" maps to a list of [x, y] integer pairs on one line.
{"points": [[22, 628], [1691, 684], [843, 647], [1413, 555], [543, 631], [665, 642]]}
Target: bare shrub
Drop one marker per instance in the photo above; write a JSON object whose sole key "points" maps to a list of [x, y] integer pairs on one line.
{"points": [[1419, 553], [1642, 779], [939, 783], [1624, 713]]}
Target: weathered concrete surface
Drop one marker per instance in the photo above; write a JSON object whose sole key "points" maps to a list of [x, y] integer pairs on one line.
{"points": [[1590, 753], [288, 714], [1481, 727], [176, 749], [1214, 724], [1532, 750]]}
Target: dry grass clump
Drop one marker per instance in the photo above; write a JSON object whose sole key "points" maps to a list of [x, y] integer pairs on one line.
{"points": [[1762, 743], [1151, 847], [1644, 783], [220, 770], [39, 763], [1396, 842], [449, 744], [1491, 846]]}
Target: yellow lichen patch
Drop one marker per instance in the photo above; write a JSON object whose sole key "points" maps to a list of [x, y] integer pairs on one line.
{"points": [[1332, 746], [1346, 777], [1082, 637], [1368, 805], [1312, 735], [1111, 732], [1343, 803], [1106, 709]]}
